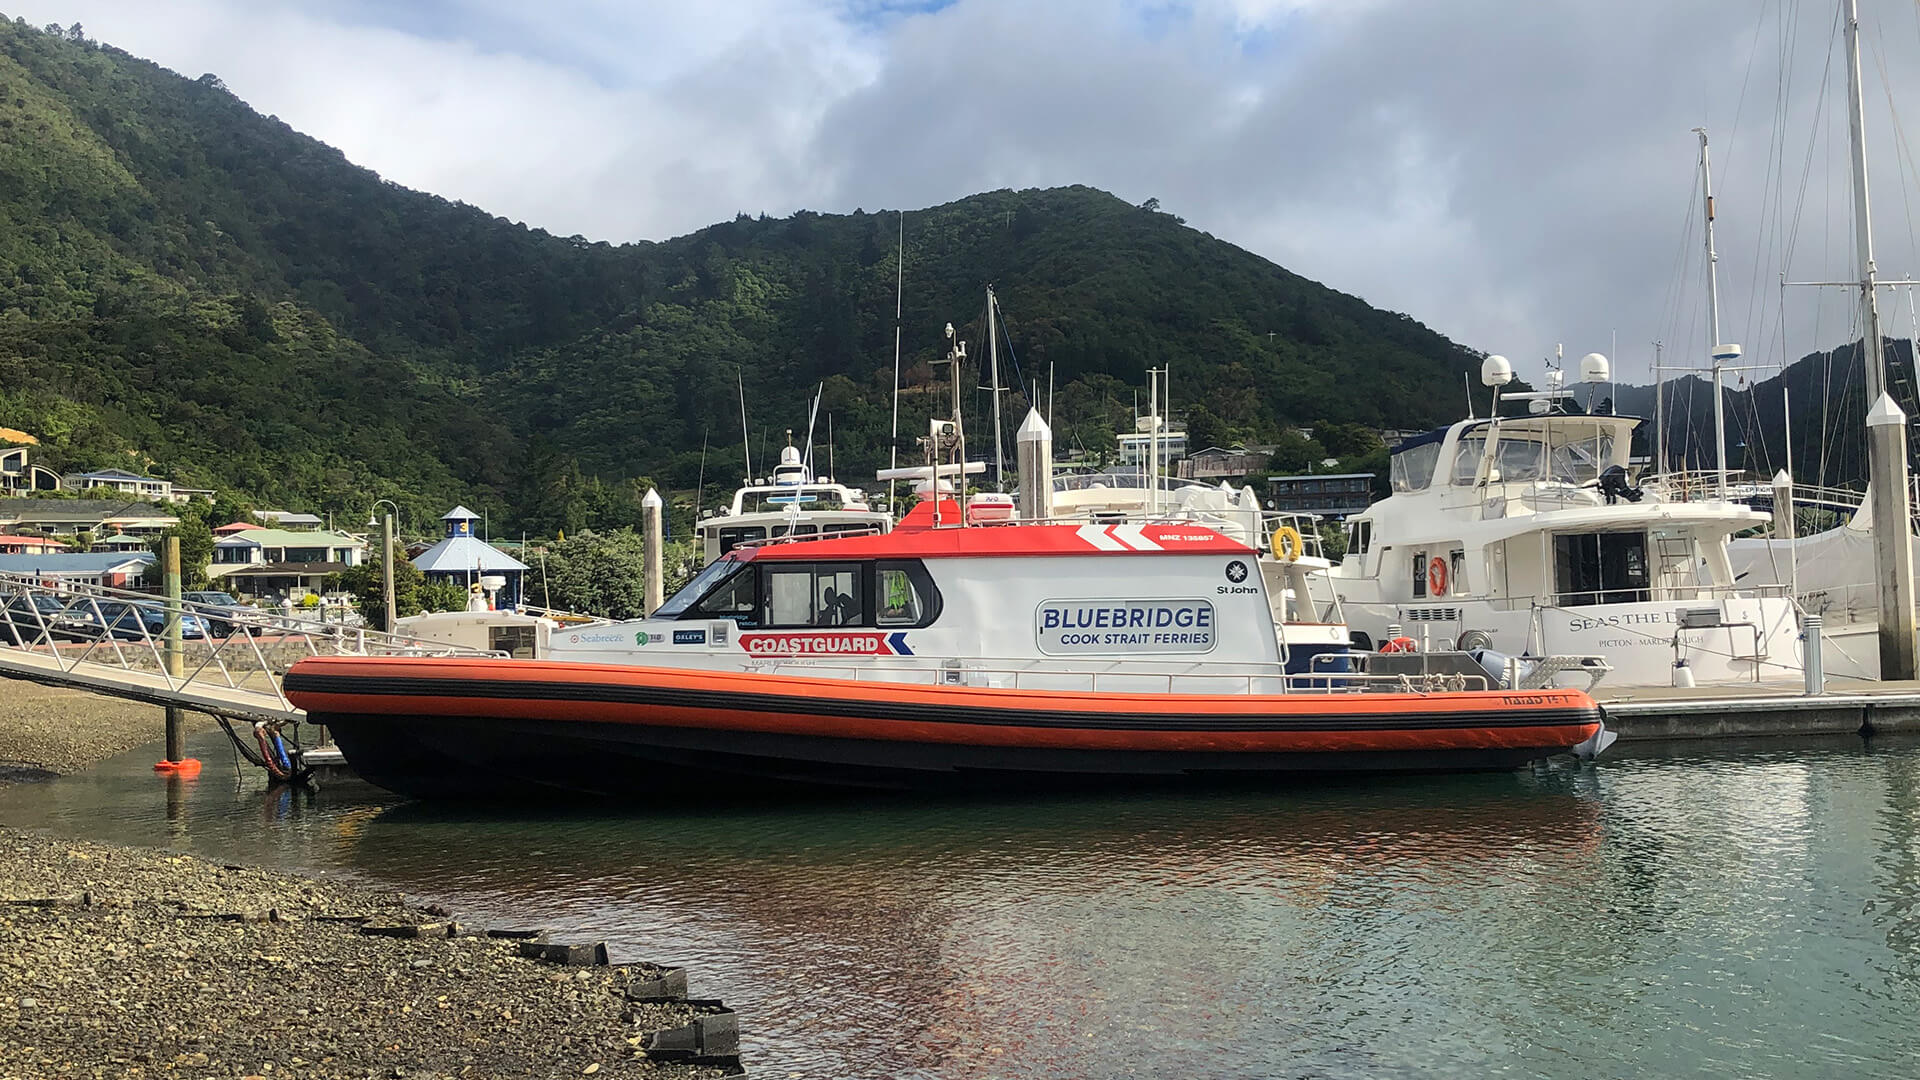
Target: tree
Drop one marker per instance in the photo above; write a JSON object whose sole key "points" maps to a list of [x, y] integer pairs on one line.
{"points": [[369, 590], [597, 574], [442, 595], [196, 552], [1346, 440], [1295, 453], [1205, 429]]}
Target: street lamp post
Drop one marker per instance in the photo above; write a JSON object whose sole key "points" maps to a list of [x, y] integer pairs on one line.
{"points": [[386, 554]]}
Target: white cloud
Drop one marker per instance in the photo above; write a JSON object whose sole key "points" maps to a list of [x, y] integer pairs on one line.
{"points": [[1512, 173]]}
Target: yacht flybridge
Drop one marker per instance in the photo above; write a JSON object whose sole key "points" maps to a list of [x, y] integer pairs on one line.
{"points": [[789, 504], [1525, 535]]}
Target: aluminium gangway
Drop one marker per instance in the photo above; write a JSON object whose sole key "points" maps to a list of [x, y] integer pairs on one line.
{"points": [[227, 662]]}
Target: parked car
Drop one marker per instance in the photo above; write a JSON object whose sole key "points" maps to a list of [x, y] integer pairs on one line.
{"points": [[132, 622], [31, 619], [223, 613]]}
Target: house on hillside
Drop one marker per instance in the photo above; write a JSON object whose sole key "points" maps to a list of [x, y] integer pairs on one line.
{"points": [[30, 545], [121, 542], [282, 562], [68, 516], [1332, 495], [1170, 443], [19, 475], [1216, 463], [466, 559], [150, 488], [109, 569], [288, 520]]}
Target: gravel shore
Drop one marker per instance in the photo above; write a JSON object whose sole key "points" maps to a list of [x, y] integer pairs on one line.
{"points": [[48, 730], [126, 962]]}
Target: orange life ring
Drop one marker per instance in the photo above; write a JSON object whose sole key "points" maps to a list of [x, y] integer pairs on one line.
{"points": [[1401, 644], [1437, 576]]}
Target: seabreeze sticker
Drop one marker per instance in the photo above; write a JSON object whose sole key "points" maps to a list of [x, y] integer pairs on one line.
{"points": [[1076, 627], [689, 637], [834, 643]]}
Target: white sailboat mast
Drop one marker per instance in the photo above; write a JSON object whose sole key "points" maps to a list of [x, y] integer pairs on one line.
{"points": [[1713, 325], [993, 362], [899, 292], [1886, 423], [1659, 412]]}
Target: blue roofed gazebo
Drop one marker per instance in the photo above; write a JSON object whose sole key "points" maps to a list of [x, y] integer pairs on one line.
{"points": [[464, 559]]}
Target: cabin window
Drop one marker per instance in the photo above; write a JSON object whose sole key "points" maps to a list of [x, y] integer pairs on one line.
{"points": [[709, 580], [797, 530], [1601, 568], [732, 600], [734, 535], [1359, 536], [849, 527], [898, 602], [1412, 469], [1419, 575], [827, 594]]}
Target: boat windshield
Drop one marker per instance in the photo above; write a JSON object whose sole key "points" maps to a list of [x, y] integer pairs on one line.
{"points": [[692, 591], [765, 500], [1412, 468], [1521, 458]]}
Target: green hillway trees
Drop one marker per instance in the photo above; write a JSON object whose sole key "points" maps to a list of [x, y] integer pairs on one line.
{"points": [[194, 290]]}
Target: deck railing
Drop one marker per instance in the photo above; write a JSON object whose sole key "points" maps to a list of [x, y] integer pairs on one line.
{"points": [[102, 630]]}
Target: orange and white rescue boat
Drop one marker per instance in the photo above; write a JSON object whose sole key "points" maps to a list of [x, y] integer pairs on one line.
{"points": [[939, 653]]}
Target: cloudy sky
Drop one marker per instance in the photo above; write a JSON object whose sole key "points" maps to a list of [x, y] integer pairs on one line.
{"points": [[1515, 173]]}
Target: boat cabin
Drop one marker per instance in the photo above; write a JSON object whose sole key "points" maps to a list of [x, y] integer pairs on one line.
{"points": [[1013, 595], [793, 505]]}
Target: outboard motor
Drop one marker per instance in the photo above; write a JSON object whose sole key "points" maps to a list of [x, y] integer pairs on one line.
{"points": [[1613, 485]]}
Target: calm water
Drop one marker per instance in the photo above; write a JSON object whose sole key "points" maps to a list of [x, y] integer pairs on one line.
{"points": [[1749, 915]]}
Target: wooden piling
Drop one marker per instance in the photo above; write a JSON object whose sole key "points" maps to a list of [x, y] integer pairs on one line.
{"points": [[176, 721]]}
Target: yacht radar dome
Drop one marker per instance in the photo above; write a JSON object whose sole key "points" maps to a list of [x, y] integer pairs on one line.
{"points": [[1726, 352], [1595, 369], [1495, 371]]}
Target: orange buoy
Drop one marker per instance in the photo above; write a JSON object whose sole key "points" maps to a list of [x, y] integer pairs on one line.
{"points": [[1437, 577], [187, 768], [1401, 644]]}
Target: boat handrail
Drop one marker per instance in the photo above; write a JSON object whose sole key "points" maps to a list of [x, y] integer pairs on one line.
{"points": [[1126, 678], [1665, 594]]}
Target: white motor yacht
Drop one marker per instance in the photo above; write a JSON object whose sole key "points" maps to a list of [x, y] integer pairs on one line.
{"points": [[1525, 536]]}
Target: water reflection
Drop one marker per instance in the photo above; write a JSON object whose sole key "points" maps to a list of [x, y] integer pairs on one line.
{"points": [[1746, 915]]}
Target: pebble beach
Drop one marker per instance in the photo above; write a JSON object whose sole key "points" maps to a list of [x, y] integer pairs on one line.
{"points": [[131, 962]]}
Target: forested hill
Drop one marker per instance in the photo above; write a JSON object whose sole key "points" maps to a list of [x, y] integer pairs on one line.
{"points": [[1827, 394], [190, 288]]}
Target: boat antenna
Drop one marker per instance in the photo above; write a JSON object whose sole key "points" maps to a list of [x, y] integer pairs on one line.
{"points": [[829, 446], [812, 415], [899, 291], [1466, 380], [746, 444], [701, 486]]}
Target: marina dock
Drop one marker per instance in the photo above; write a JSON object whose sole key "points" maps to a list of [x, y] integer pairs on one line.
{"points": [[1646, 714]]}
